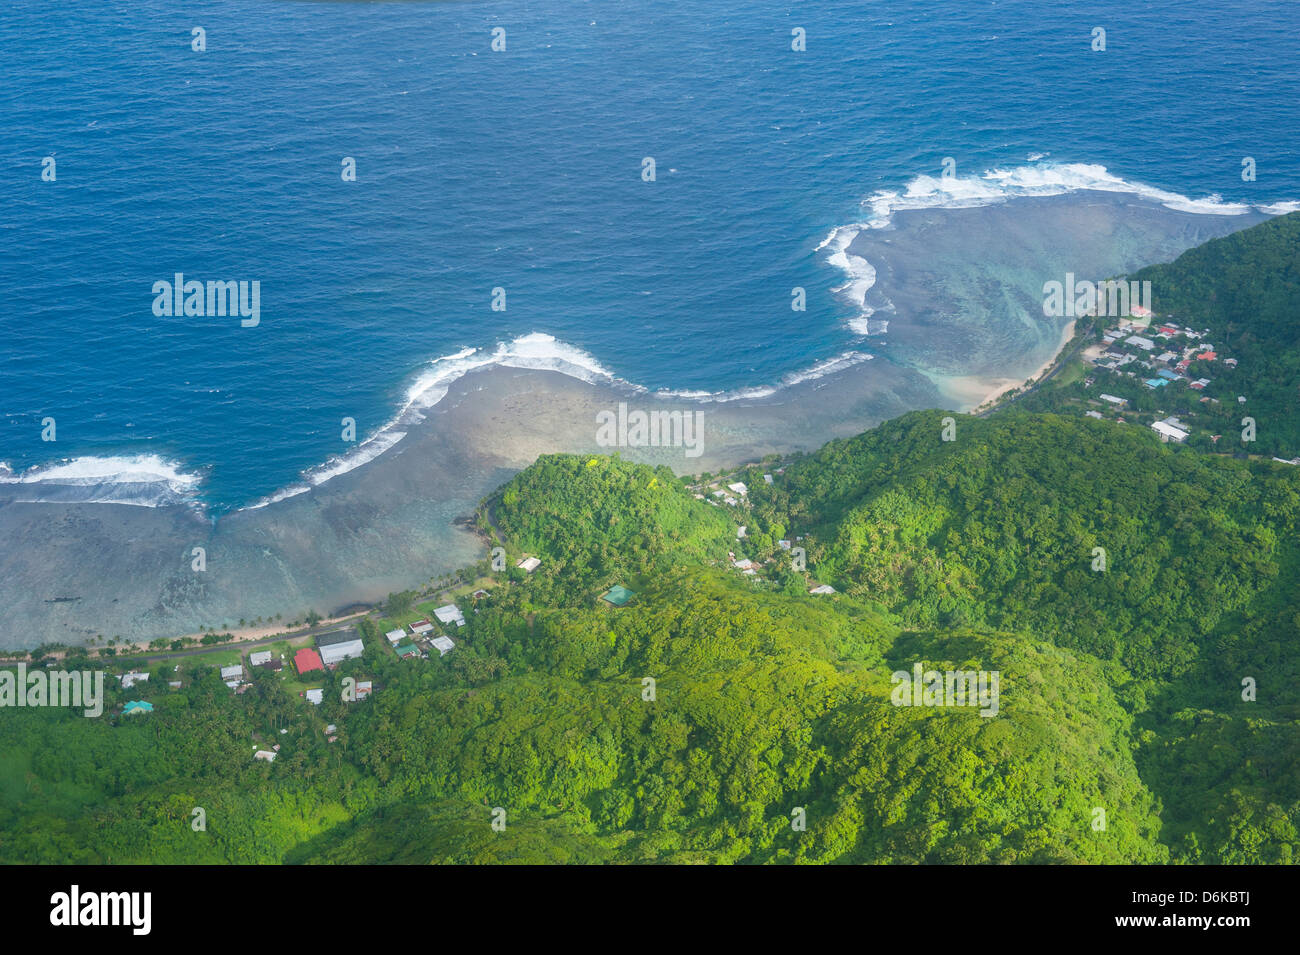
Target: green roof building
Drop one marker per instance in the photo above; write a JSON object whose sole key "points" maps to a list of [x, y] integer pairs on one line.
{"points": [[408, 650], [137, 706], [618, 595]]}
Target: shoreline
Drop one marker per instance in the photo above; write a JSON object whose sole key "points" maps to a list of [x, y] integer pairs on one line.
{"points": [[73, 573], [993, 396]]}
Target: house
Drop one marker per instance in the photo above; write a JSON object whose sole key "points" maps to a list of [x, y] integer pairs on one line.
{"points": [[395, 636], [1169, 432], [822, 589], [618, 595], [265, 754], [421, 627], [450, 614], [1112, 399], [364, 689], [257, 659], [1138, 341], [307, 660], [742, 532], [135, 707], [315, 697], [783, 544], [1168, 375], [1093, 414], [479, 593], [174, 684], [1154, 383], [131, 679], [275, 665], [1206, 356], [738, 488], [767, 479], [337, 647], [443, 645], [744, 564], [529, 564], [1167, 356], [233, 673], [408, 650], [1199, 383]]}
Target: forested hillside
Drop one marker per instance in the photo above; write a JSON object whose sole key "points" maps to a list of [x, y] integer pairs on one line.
{"points": [[767, 705]]}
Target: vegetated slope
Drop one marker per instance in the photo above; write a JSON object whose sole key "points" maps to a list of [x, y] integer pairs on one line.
{"points": [[1001, 527], [592, 518], [763, 705], [706, 718]]}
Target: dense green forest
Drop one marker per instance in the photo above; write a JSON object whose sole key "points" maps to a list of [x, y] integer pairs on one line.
{"points": [[1140, 603]]}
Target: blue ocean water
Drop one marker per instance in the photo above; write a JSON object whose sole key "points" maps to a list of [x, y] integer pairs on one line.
{"points": [[522, 169]]}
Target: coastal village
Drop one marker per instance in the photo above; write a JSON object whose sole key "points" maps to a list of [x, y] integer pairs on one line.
{"points": [[306, 662], [1168, 375]]}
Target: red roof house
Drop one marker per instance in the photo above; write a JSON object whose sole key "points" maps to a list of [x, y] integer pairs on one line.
{"points": [[1207, 356], [307, 660]]}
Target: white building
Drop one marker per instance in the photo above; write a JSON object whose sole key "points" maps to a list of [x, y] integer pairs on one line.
{"points": [[315, 697], [395, 636], [444, 645], [131, 679], [257, 659], [450, 614], [738, 488], [336, 647], [823, 589], [233, 672], [529, 564], [1112, 399], [1169, 432], [1145, 344]]}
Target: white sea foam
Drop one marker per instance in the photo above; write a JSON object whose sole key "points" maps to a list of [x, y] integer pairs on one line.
{"points": [[148, 480], [537, 351], [144, 480], [991, 187]]}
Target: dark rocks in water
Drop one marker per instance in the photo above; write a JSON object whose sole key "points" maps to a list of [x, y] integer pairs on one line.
{"points": [[350, 609], [60, 600]]}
